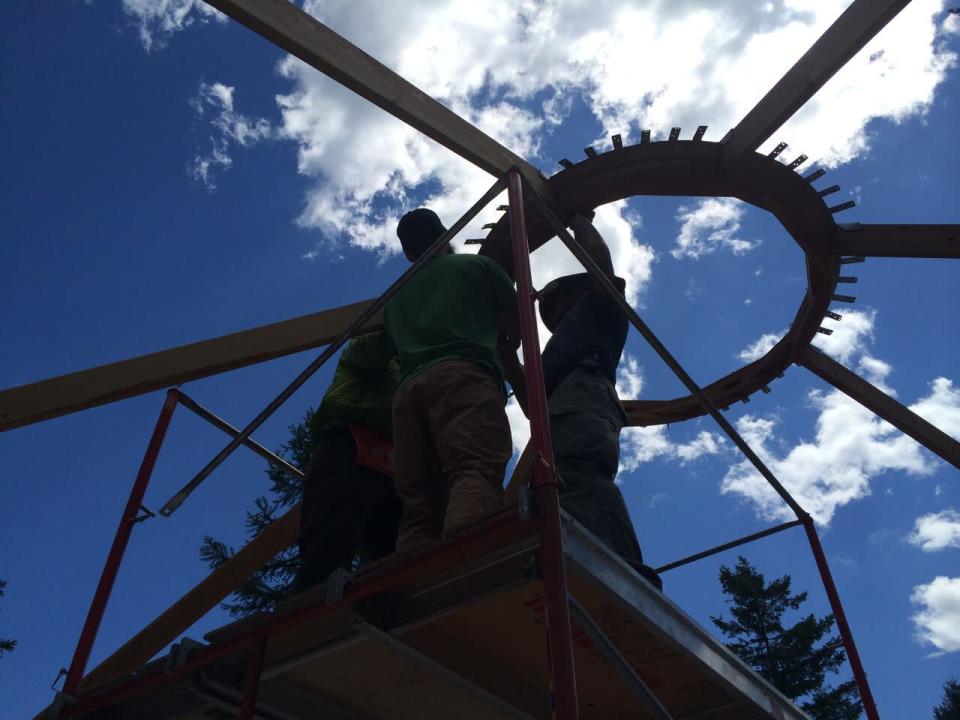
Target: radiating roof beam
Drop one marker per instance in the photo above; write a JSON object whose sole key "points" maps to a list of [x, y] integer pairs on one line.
{"points": [[65, 394], [196, 603], [842, 40], [918, 241], [300, 34], [877, 401]]}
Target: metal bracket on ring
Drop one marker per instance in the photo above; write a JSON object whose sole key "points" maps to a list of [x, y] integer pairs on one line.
{"points": [[144, 513]]}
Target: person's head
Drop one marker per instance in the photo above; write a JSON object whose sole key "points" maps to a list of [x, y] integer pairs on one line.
{"points": [[418, 230], [559, 296]]}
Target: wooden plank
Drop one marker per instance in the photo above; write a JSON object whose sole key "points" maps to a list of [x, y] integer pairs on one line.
{"points": [[855, 27], [877, 401], [917, 241], [300, 34], [65, 394], [171, 623]]}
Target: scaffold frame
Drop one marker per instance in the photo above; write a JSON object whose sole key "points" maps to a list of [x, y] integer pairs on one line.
{"points": [[731, 167]]}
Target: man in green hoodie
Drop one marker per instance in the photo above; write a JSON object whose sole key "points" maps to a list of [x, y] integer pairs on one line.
{"points": [[449, 324], [349, 505]]}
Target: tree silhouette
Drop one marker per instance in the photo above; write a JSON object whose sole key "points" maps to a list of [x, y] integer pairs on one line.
{"points": [[795, 659], [949, 707], [6, 645], [266, 587]]}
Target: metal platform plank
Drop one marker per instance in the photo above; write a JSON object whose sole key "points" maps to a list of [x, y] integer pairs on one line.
{"points": [[375, 675], [615, 594]]}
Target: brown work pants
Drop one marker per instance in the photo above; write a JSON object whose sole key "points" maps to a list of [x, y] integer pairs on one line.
{"points": [[451, 447]]}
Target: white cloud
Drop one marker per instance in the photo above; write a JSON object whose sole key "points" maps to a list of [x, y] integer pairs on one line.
{"points": [[658, 498], [938, 616], [709, 224], [630, 379], [760, 347], [705, 443], [851, 446], [875, 370], [850, 334], [941, 407], [893, 77], [951, 24], [215, 101], [158, 19], [937, 531], [515, 68], [639, 445]]}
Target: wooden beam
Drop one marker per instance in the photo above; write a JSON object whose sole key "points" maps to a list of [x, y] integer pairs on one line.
{"points": [[877, 401], [918, 241], [65, 394], [855, 27], [300, 34], [174, 621]]}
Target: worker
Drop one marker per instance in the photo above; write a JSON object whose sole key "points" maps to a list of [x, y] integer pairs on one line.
{"points": [[452, 439], [349, 507], [579, 369]]}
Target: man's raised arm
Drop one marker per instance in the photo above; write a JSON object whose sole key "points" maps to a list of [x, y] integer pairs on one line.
{"points": [[590, 240]]}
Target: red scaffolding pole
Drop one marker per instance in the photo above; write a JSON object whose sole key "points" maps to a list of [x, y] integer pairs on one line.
{"points": [[846, 635], [803, 517], [563, 677], [251, 682], [112, 565]]}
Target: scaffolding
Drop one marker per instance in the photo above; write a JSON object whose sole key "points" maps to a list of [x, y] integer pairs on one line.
{"points": [[539, 507], [490, 571]]}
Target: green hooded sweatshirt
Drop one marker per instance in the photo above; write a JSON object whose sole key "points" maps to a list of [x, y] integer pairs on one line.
{"points": [[362, 388]]}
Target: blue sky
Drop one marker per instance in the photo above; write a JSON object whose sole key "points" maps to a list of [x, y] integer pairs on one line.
{"points": [[172, 177]]}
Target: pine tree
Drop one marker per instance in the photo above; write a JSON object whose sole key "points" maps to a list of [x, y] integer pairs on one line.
{"points": [[262, 591], [6, 645], [794, 659], [949, 707]]}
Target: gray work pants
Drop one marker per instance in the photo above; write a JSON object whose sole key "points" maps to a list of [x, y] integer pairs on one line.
{"points": [[585, 422]]}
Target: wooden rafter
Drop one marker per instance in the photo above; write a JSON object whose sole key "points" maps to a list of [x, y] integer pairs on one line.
{"points": [[300, 34], [849, 33], [917, 241], [173, 621], [85, 389], [877, 401]]}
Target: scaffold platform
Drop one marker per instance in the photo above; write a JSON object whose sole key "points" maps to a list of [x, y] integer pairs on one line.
{"points": [[462, 637]]}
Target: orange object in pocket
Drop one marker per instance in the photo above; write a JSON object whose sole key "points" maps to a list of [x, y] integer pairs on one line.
{"points": [[374, 450]]}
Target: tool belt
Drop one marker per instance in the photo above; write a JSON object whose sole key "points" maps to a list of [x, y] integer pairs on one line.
{"points": [[374, 450]]}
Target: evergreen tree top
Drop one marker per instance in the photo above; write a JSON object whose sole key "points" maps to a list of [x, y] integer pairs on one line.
{"points": [[794, 658], [949, 707]]}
